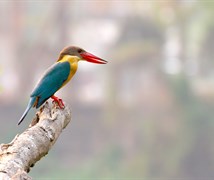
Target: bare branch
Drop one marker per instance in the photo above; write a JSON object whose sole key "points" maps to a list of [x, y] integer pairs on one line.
{"points": [[26, 149]]}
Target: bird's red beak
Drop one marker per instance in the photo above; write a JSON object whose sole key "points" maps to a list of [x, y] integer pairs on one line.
{"points": [[92, 58]]}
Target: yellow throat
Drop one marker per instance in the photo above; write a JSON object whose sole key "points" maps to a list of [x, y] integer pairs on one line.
{"points": [[73, 61]]}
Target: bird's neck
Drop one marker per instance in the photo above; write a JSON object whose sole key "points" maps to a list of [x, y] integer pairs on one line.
{"points": [[73, 61], [70, 59]]}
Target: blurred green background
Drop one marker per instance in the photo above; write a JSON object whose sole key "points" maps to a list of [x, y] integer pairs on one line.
{"points": [[147, 114]]}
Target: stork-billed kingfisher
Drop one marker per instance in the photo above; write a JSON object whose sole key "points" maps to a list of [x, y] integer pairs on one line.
{"points": [[58, 75]]}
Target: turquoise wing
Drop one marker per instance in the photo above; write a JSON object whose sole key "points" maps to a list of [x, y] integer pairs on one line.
{"points": [[51, 81]]}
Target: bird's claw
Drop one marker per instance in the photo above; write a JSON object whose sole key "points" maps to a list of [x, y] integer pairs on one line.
{"points": [[58, 101], [61, 104]]}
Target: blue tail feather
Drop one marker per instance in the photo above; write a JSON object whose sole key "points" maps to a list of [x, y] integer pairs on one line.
{"points": [[29, 106]]}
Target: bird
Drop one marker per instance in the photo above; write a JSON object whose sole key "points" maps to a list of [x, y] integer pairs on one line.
{"points": [[57, 76]]}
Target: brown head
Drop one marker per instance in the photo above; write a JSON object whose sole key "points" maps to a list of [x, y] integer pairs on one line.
{"points": [[81, 53]]}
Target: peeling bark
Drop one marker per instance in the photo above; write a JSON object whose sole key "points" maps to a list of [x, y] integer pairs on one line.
{"points": [[17, 157]]}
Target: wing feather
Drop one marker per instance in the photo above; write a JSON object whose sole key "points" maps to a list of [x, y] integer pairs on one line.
{"points": [[51, 81]]}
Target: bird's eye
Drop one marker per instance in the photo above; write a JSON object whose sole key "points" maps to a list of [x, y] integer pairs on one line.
{"points": [[79, 50]]}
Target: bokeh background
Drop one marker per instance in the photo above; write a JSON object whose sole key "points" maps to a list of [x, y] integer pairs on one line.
{"points": [[147, 114]]}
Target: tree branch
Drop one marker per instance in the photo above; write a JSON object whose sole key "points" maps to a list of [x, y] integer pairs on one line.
{"points": [[26, 149]]}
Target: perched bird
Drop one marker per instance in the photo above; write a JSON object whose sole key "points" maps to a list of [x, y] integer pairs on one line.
{"points": [[58, 75]]}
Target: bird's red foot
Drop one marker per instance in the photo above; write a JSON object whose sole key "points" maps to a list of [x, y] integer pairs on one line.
{"points": [[58, 101]]}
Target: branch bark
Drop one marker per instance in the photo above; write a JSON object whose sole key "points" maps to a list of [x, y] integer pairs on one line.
{"points": [[17, 157]]}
